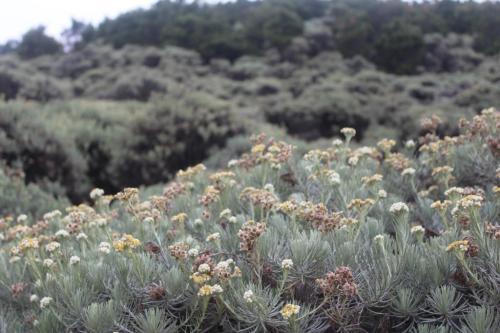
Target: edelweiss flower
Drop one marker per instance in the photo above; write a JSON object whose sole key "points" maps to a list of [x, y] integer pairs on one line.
{"points": [[193, 253], [459, 245], [104, 247], [62, 233], [399, 208], [52, 246], [74, 260], [386, 144], [408, 172], [379, 239], [441, 205], [418, 229], [52, 215], [96, 193], [248, 296], [179, 218], [225, 213], [410, 144], [22, 218], [454, 192], [289, 311], [48, 263], [44, 302], [199, 278], [287, 264], [81, 235], [213, 237], [207, 290], [337, 142], [348, 132], [204, 268]]}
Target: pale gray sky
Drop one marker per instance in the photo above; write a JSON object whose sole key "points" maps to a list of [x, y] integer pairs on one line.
{"points": [[17, 16]]}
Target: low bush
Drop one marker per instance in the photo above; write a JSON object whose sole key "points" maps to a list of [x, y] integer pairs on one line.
{"points": [[45, 157], [17, 198], [339, 239], [175, 131]]}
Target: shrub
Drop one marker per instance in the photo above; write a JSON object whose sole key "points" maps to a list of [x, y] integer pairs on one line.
{"points": [[340, 238], [177, 130], [318, 114], [17, 197], [36, 43], [43, 155]]}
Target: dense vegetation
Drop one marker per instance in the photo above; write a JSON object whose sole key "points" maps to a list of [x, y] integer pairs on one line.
{"points": [[74, 121], [310, 226], [389, 33], [339, 239]]}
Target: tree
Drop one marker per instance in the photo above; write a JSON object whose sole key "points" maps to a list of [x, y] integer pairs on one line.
{"points": [[77, 34], [399, 47], [36, 43], [9, 47]]}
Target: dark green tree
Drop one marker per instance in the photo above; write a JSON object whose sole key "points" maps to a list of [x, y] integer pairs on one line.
{"points": [[399, 47], [36, 43]]}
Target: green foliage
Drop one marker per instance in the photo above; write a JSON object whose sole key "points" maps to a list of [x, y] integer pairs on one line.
{"points": [[35, 43], [42, 154], [329, 240], [174, 132], [400, 47], [18, 198]]}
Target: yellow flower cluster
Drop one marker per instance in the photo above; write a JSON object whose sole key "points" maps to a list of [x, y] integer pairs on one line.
{"points": [[27, 243], [289, 311], [288, 207], [470, 201], [386, 145], [127, 194], [210, 195], [221, 178], [459, 245], [126, 242], [360, 204], [348, 132], [200, 278], [441, 206], [190, 172], [208, 290], [179, 218], [398, 161], [317, 156], [371, 180], [442, 170]]}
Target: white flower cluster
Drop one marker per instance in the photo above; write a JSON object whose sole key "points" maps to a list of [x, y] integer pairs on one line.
{"points": [[287, 264], [248, 296], [408, 172], [213, 237], [52, 215], [44, 302], [204, 268], [104, 247], [399, 208], [96, 193], [62, 233], [74, 260]]}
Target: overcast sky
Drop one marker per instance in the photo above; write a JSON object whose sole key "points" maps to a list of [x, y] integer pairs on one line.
{"points": [[17, 16]]}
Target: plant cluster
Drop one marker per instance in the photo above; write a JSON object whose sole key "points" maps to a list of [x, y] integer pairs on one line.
{"points": [[66, 148], [339, 239]]}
